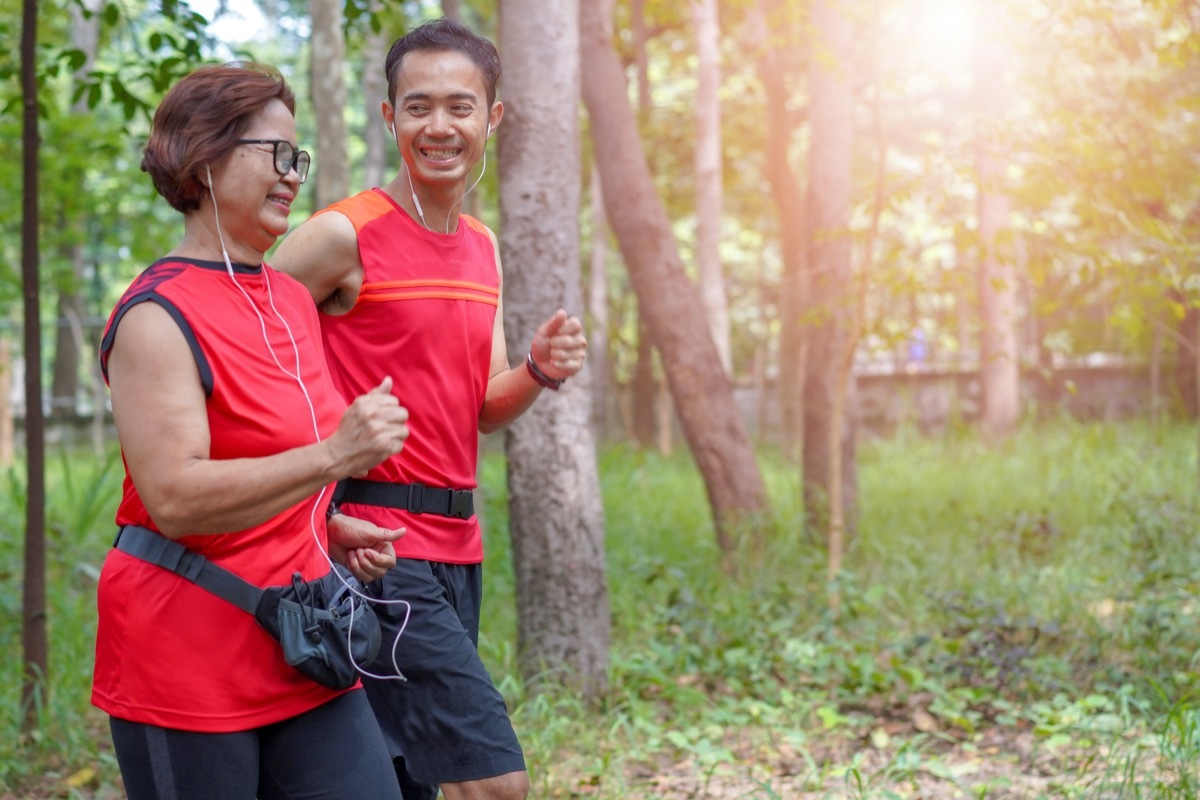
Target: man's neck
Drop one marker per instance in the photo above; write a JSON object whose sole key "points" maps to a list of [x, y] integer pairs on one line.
{"points": [[437, 211]]}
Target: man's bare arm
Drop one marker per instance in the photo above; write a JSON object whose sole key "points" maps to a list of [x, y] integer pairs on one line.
{"points": [[323, 255]]}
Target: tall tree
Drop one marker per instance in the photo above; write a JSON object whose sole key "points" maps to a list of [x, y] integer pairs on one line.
{"points": [[644, 391], [557, 520], [374, 89], [329, 102], [830, 161], [35, 655], [599, 360], [773, 44], [999, 368], [68, 337], [709, 175], [702, 391]]}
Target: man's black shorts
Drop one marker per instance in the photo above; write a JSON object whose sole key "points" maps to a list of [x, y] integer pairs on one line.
{"points": [[447, 721]]}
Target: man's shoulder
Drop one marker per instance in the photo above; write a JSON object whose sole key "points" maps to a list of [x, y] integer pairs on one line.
{"points": [[362, 208], [476, 226]]}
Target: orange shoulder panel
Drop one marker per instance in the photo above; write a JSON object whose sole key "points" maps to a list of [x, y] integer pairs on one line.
{"points": [[361, 208], [476, 225]]}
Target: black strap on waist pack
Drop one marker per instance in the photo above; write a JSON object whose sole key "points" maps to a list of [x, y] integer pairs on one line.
{"points": [[170, 554], [323, 632], [415, 498]]}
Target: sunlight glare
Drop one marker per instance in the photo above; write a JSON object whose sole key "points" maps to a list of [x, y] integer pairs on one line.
{"points": [[943, 36], [241, 22]]}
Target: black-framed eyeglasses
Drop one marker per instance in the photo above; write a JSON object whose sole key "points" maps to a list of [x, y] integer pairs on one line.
{"points": [[286, 156]]}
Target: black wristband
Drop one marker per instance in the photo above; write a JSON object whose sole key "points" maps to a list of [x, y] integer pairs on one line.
{"points": [[540, 377]]}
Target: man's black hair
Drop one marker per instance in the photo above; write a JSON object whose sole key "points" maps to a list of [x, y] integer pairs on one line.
{"points": [[441, 35]]}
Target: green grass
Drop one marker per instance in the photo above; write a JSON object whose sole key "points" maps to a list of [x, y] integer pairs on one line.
{"points": [[1031, 605]]}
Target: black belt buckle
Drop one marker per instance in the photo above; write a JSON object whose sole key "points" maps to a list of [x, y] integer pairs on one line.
{"points": [[461, 505], [416, 498]]}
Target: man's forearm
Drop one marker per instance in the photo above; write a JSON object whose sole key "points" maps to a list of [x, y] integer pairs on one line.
{"points": [[509, 395]]}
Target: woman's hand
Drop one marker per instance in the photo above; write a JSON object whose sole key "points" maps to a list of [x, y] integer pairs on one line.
{"points": [[372, 429], [364, 547]]}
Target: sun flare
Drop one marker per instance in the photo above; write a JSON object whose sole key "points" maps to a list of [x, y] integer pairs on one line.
{"points": [[943, 36]]}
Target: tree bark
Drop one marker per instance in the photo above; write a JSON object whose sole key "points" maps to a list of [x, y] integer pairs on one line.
{"points": [[786, 190], [557, 519], [600, 364], [999, 369], [7, 429], [709, 177], [374, 88], [35, 655], [332, 162], [829, 262], [645, 389], [64, 387], [703, 393]]}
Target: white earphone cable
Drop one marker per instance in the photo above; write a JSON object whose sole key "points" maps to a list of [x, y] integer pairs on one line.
{"points": [[317, 435]]}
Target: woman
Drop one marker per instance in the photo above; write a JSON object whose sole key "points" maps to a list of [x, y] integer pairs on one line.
{"points": [[232, 435]]}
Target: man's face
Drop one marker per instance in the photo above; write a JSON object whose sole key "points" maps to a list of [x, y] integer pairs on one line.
{"points": [[441, 116]]}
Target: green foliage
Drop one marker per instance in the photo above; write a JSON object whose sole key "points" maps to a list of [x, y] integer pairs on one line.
{"points": [[991, 595], [80, 495]]}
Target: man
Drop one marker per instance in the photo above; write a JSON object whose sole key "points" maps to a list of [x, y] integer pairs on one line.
{"points": [[410, 287]]}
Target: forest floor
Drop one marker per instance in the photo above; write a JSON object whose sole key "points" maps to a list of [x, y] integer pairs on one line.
{"points": [[998, 763]]}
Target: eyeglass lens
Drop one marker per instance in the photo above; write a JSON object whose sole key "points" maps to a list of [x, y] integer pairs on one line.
{"points": [[287, 156]]}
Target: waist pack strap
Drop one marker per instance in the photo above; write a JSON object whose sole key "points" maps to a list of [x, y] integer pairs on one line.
{"points": [[412, 497], [171, 555]]}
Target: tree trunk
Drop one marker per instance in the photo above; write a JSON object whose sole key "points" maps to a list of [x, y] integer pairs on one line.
{"points": [[599, 363], [999, 370], [64, 387], [332, 162], [450, 10], [789, 204], [64, 383], [557, 519], [35, 656], [7, 432], [709, 177], [831, 114], [703, 393], [374, 88], [644, 389], [843, 475], [1187, 377]]}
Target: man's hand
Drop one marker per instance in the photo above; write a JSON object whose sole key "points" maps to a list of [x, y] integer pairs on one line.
{"points": [[364, 547], [559, 346]]}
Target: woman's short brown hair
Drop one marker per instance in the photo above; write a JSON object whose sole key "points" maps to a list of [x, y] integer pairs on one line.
{"points": [[199, 122]]}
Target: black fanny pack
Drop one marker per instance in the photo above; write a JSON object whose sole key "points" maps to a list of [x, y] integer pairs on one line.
{"points": [[324, 630]]}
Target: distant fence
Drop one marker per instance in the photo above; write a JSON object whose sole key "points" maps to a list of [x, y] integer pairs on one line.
{"points": [[932, 397], [929, 398]]}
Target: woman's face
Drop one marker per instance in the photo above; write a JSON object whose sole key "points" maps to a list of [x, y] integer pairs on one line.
{"points": [[253, 199]]}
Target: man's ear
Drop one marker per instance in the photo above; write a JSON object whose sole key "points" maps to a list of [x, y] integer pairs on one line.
{"points": [[389, 117], [494, 117]]}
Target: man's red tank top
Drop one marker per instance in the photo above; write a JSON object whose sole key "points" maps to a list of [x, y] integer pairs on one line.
{"points": [[424, 316], [169, 653]]}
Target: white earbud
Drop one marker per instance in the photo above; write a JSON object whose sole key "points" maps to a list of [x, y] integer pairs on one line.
{"points": [[488, 135]]}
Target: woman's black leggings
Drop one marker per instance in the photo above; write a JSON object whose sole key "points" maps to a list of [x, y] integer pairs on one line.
{"points": [[333, 752]]}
